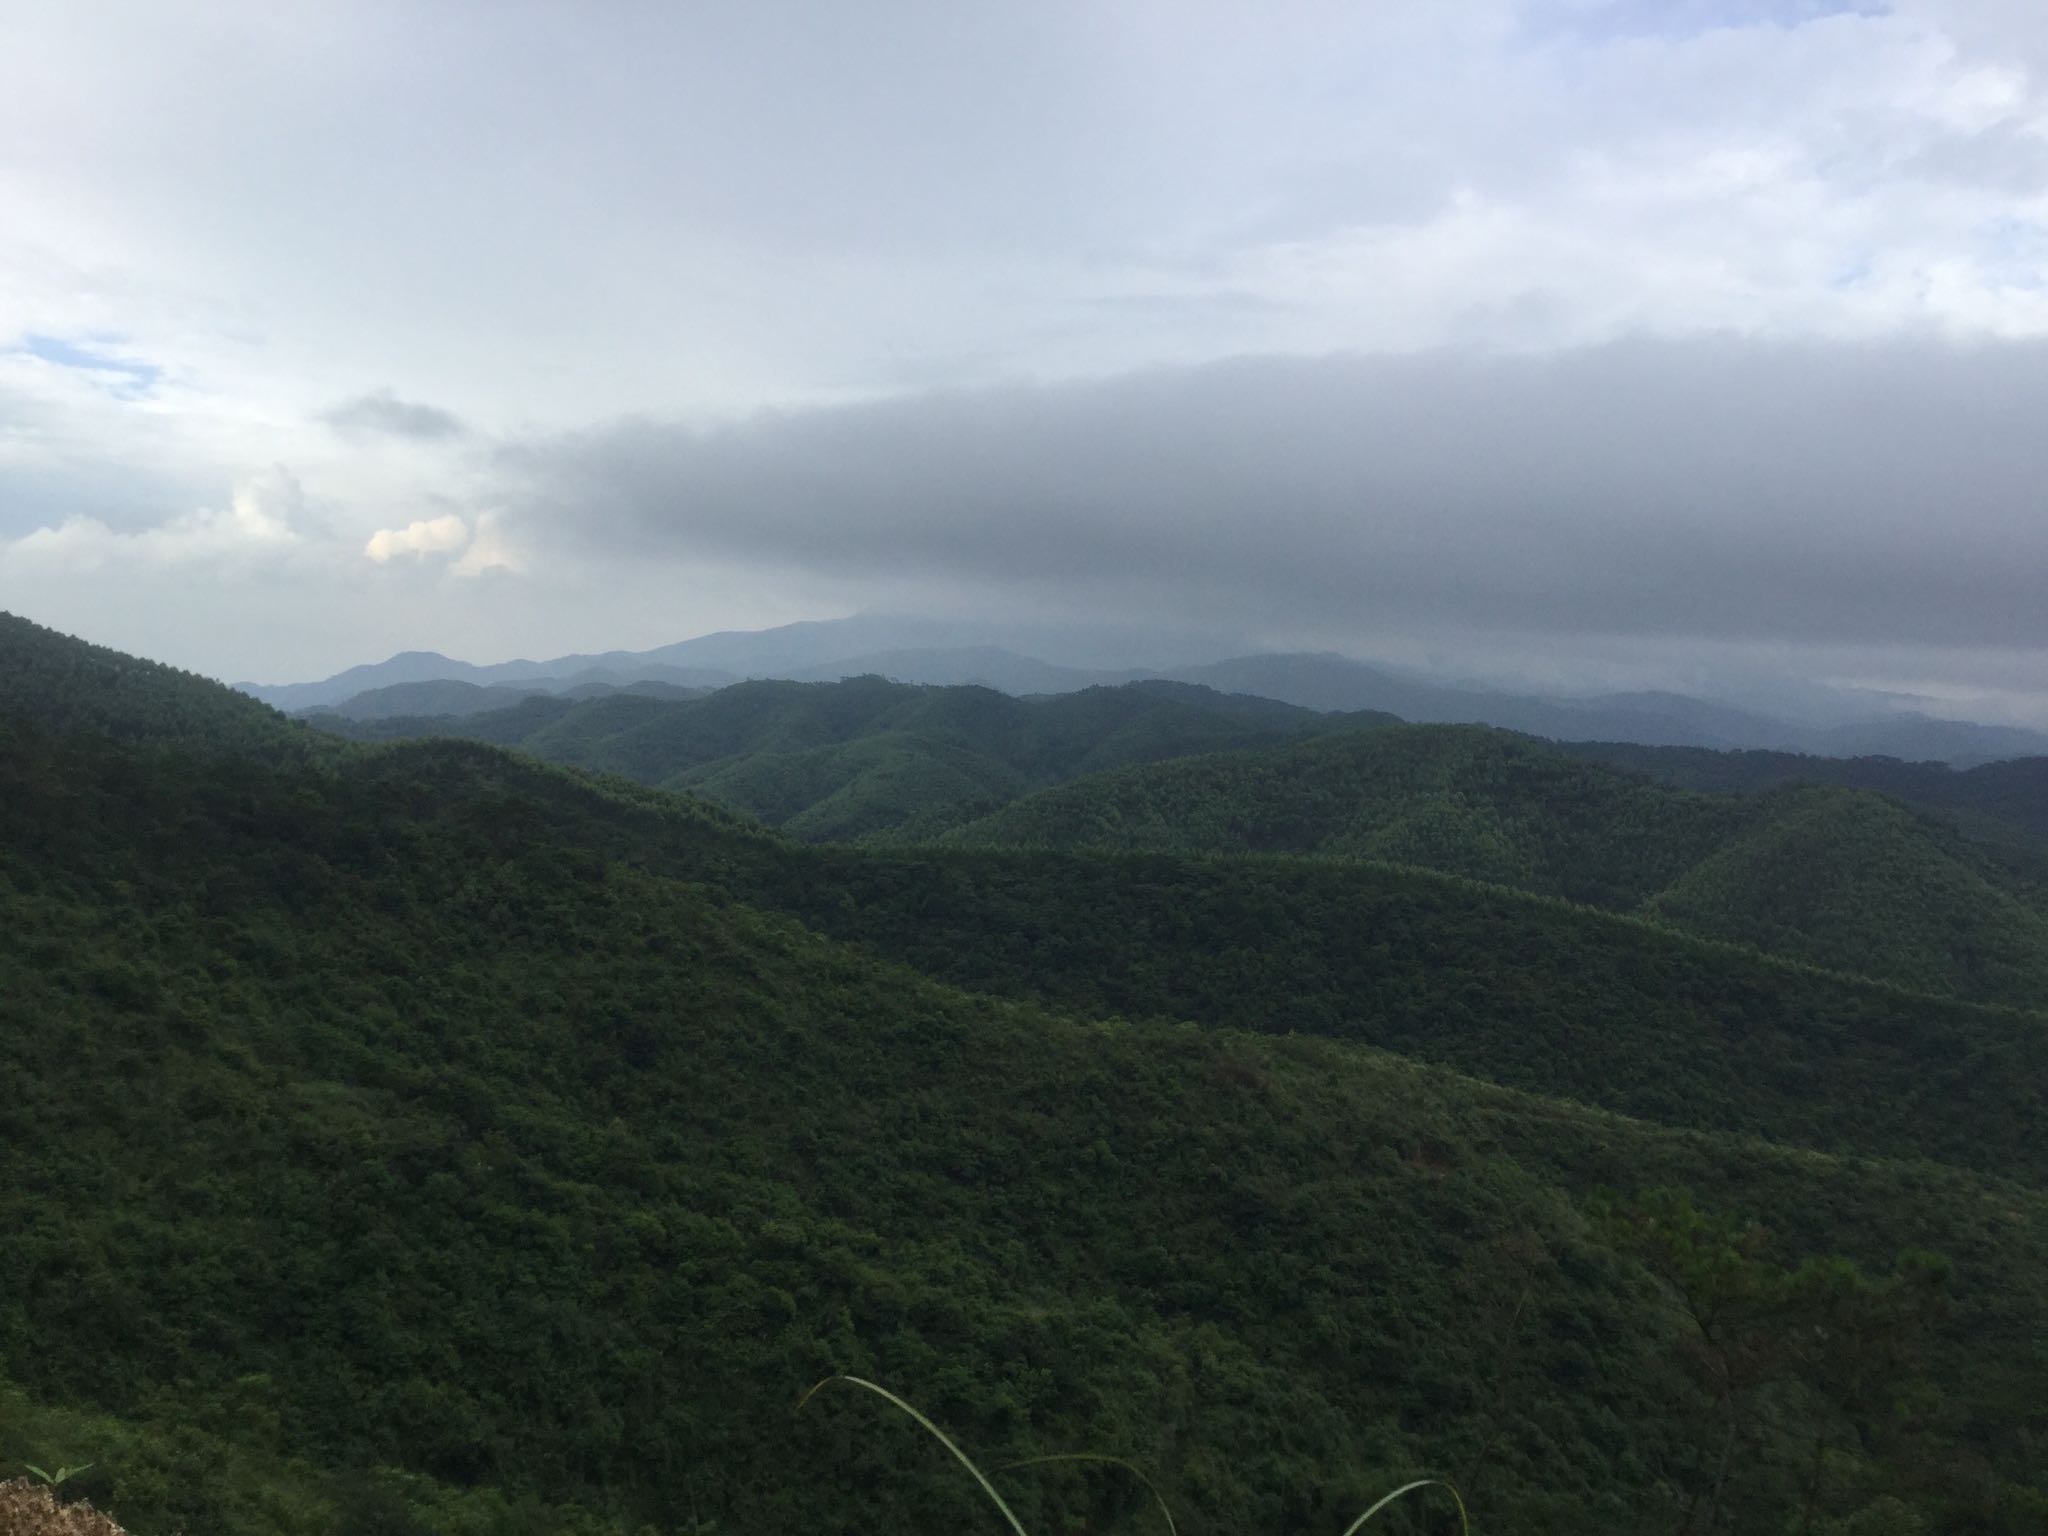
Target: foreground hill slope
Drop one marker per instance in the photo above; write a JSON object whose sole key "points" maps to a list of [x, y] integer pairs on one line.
{"points": [[501, 1161], [1834, 877], [430, 1110], [66, 684]]}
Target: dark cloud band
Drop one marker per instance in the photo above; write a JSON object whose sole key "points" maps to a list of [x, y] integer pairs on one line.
{"points": [[383, 413], [1881, 493]]}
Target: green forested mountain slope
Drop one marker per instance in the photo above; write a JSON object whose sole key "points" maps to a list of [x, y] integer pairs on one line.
{"points": [[1846, 879], [539, 1139], [67, 684], [438, 696], [866, 757], [1526, 991], [869, 760], [402, 1123], [1468, 800], [1994, 799], [1834, 877], [902, 783]]}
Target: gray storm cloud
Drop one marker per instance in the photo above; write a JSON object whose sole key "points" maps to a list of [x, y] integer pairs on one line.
{"points": [[383, 413], [1888, 493], [306, 223]]}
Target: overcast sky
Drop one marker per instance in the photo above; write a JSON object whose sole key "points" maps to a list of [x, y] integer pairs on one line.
{"points": [[1636, 337]]}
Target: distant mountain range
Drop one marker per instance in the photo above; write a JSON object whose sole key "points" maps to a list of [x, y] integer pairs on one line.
{"points": [[915, 649], [426, 684]]}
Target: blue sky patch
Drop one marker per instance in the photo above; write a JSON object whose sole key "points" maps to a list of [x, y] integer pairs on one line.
{"points": [[1599, 21], [126, 378]]}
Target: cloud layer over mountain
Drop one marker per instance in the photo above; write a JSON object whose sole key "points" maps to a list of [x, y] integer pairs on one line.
{"points": [[1715, 490], [1590, 323]]}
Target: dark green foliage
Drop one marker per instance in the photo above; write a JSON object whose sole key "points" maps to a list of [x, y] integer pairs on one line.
{"points": [[1845, 879], [1529, 992], [1821, 1352], [426, 1138], [1467, 800], [866, 758], [513, 1167], [1994, 799], [441, 696], [67, 684], [1845, 882], [902, 781], [1833, 877]]}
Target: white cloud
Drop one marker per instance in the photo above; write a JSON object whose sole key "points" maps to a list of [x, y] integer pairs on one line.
{"points": [[258, 520], [722, 214], [491, 549], [429, 536]]}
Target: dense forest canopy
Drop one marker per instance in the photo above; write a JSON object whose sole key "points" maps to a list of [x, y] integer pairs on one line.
{"points": [[420, 1136], [865, 758], [1917, 874], [1834, 876], [2001, 798]]}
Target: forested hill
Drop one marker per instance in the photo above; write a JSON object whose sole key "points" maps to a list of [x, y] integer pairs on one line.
{"points": [[1997, 800], [865, 757], [67, 684], [1838, 878], [420, 1138]]}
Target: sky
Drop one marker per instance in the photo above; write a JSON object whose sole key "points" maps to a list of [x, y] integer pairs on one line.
{"points": [[1616, 342]]}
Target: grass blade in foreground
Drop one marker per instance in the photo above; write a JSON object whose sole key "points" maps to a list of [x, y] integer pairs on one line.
{"points": [[1109, 1461], [937, 1433], [1464, 1523]]}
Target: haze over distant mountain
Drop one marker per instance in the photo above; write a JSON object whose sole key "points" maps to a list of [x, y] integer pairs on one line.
{"points": [[421, 667], [453, 698], [915, 649], [952, 652]]}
